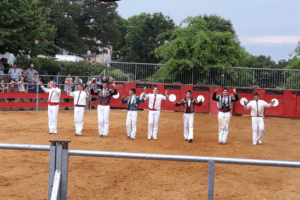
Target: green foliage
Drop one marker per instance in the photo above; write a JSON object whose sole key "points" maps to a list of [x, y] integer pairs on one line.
{"points": [[77, 19], [141, 36], [41, 65], [194, 45], [21, 23], [294, 63], [218, 24], [80, 68]]}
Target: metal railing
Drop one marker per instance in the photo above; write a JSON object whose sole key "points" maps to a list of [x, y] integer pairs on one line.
{"points": [[59, 161], [243, 77]]}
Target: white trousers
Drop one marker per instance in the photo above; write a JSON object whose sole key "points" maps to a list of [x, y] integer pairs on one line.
{"points": [[131, 123], [257, 122], [103, 119], [78, 119], [188, 120], [153, 120], [223, 118], [52, 118]]}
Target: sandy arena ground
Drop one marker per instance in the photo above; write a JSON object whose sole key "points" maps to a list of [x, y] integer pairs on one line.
{"points": [[24, 174]]}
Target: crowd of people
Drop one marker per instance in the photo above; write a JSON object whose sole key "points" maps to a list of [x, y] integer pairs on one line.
{"points": [[19, 80]]}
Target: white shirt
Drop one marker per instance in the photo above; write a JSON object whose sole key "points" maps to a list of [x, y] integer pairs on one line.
{"points": [[257, 107], [21, 87], [55, 97], [14, 73], [82, 98], [158, 99]]}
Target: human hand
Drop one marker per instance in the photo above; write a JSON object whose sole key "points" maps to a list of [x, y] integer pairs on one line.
{"points": [[216, 89]]}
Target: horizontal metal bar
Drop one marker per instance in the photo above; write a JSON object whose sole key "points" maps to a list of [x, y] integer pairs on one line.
{"points": [[184, 158], [32, 147], [133, 63]]}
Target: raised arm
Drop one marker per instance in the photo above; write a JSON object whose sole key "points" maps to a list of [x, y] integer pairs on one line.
{"points": [[43, 88], [115, 89], [140, 100], [124, 100], [179, 103], [236, 96], [247, 105], [69, 91], [215, 97], [198, 103]]}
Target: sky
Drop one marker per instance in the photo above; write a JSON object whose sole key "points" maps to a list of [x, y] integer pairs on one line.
{"points": [[267, 27]]}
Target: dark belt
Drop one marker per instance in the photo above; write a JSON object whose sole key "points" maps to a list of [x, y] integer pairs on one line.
{"points": [[79, 105]]}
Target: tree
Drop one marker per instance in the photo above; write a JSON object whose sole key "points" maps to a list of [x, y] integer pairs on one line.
{"points": [[217, 23], [80, 23], [195, 45], [22, 23], [294, 62], [141, 36], [120, 46]]}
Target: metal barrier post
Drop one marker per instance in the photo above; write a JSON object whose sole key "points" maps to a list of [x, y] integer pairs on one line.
{"points": [[37, 92], [65, 169], [211, 180], [59, 161], [51, 168]]}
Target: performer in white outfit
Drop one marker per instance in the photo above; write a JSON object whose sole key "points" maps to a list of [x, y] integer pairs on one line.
{"points": [[225, 105], [79, 104], [154, 111], [257, 114], [103, 110], [189, 104], [133, 102], [53, 106]]}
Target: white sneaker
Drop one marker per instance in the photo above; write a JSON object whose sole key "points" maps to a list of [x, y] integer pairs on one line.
{"points": [[259, 141], [254, 143]]}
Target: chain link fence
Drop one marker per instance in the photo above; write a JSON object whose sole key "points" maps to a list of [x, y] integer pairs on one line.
{"points": [[232, 77]]}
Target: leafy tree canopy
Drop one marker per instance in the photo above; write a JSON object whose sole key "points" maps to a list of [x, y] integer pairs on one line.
{"points": [[193, 44], [141, 36], [22, 22], [77, 20]]}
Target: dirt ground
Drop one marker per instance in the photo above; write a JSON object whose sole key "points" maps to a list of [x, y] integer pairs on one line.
{"points": [[24, 174]]}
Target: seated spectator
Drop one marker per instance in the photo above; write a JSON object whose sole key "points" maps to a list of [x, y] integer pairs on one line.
{"points": [[21, 89], [32, 88], [30, 73], [3, 88], [12, 89], [68, 80], [1, 69], [14, 73]]}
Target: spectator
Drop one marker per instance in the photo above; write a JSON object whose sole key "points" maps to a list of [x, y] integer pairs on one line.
{"points": [[68, 80], [1, 69], [57, 79], [45, 79], [3, 89], [5, 64], [32, 89], [14, 73], [21, 89], [12, 89], [30, 73]]}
